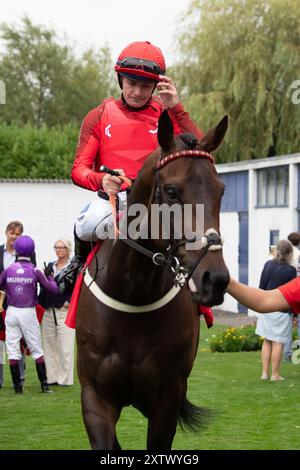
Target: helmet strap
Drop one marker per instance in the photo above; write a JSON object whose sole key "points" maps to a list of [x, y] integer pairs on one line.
{"points": [[131, 108]]}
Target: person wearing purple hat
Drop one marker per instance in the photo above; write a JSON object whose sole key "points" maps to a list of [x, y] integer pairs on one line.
{"points": [[19, 281]]}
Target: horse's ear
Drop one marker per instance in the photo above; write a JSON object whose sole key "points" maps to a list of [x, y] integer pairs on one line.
{"points": [[214, 136], [165, 131]]}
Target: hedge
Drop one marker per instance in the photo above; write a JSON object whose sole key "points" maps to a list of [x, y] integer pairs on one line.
{"points": [[37, 152]]}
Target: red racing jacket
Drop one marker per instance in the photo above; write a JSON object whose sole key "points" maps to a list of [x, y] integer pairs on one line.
{"points": [[119, 137]]}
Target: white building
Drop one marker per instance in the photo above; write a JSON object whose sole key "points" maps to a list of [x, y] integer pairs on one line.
{"points": [[260, 206], [47, 209]]}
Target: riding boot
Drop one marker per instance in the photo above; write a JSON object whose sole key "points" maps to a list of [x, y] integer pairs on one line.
{"points": [[42, 375], [16, 378], [67, 277]]}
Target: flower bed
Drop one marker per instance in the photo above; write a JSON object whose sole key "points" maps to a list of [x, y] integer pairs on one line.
{"points": [[236, 339]]}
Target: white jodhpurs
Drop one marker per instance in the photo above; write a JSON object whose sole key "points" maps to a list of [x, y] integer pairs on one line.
{"points": [[22, 322], [95, 220]]}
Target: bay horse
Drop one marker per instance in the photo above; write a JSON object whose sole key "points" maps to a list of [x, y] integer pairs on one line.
{"points": [[137, 325]]}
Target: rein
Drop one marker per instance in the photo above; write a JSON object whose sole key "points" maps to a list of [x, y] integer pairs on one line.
{"points": [[211, 241]]}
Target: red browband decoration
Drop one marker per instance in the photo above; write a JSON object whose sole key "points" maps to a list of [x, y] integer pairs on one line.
{"points": [[184, 153]]}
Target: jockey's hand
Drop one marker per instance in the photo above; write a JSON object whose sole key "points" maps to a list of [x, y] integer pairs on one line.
{"points": [[112, 184], [167, 91]]}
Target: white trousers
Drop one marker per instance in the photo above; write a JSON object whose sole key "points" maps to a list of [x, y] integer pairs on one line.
{"points": [[58, 344], [22, 322], [95, 220]]}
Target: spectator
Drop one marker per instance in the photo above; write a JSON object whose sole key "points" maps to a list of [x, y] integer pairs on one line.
{"points": [[275, 327], [7, 257], [20, 281], [2, 337], [294, 238], [57, 337]]}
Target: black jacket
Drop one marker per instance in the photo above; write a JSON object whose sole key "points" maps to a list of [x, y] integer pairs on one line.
{"points": [[48, 300]]}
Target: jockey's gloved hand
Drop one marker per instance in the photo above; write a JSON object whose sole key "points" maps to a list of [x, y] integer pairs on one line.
{"points": [[48, 271]]}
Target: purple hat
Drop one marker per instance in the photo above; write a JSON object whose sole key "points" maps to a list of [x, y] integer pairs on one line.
{"points": [[24, 246]]}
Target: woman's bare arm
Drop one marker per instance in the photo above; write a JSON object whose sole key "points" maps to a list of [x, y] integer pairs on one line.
{"points": [[263, 301]]}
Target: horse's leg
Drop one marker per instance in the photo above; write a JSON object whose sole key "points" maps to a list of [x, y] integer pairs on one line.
{"points": [[163, 419], [100, 419]]}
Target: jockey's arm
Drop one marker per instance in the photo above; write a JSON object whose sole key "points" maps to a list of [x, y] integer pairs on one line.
{"points": [[84, 173], [262, 301]]}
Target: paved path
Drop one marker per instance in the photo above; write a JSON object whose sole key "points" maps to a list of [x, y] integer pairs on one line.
{"points": [[223, 317]]}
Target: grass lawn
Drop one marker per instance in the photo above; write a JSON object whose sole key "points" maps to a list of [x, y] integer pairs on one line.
{"points": [[249, 413]]}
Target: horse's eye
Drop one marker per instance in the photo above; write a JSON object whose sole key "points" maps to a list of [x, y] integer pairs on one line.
{"points": [[171, 192]]}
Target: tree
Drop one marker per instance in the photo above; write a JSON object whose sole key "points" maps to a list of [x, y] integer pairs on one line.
{"points": [[241, 58], [45, 82]]}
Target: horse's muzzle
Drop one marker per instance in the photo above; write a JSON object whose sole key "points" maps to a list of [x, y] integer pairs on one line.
{"points": [[211, 288]]}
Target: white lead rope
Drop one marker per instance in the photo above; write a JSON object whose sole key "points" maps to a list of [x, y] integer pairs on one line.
{"points": [[116, 305]]}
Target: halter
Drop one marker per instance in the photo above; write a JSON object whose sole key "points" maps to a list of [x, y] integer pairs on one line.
{"points": [[211, 241]]}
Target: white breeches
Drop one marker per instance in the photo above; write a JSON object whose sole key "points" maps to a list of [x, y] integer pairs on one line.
{"points": [[22, 322], [95, 220], [58, 344]]}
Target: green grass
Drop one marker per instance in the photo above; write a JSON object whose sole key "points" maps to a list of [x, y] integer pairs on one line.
{"points": [[249, 413]]}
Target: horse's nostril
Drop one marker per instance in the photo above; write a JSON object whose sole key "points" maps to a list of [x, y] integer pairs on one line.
{"points": [[206, 283], [214, 284]]}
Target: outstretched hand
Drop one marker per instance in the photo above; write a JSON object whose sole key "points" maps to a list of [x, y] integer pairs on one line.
{"points": [[167, 91]]}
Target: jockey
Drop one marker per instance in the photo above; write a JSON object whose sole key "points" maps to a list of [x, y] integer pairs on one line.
{"points": [[20, 281], [121, 133]]}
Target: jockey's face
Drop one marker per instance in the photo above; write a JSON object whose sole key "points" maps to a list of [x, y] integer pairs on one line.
{"points": [[137, 93]]}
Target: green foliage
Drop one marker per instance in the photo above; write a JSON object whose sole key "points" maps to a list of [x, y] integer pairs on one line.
{"points": [[37, 152], [45, 82], [236, 340], [240, 58]]}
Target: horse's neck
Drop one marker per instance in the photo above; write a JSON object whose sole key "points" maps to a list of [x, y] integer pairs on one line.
{"points": [[132, 277]]}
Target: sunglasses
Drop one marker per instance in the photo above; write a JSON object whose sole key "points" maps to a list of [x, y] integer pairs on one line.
{"points": [[140, 64]]}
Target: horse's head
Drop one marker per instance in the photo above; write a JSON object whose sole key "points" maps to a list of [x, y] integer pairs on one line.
{"points": [[186, 177]]}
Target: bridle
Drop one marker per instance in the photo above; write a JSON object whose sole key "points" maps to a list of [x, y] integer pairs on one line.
{"points": [[211, 241]]}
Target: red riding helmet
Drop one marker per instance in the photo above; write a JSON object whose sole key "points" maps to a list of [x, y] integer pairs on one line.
{"points": [[141, 59]]}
